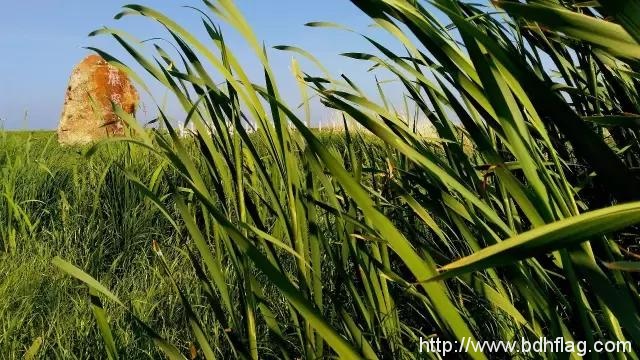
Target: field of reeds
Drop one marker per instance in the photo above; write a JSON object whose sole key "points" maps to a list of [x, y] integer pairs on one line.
{"points": [[256, 236]]}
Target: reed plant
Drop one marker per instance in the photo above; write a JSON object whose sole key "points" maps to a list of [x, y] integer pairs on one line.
{"points": [[518, 220]]}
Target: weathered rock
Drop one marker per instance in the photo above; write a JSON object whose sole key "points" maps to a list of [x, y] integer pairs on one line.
{"points": [[88, 114]]}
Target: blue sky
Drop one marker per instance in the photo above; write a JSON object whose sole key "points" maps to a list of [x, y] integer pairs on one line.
{"points": [[41, 41]]}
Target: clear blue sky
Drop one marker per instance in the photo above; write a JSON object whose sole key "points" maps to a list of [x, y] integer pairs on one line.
{"points": [[41, 41]]}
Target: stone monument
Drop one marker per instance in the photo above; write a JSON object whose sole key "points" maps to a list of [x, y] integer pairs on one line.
{"points": [[88, 113]]}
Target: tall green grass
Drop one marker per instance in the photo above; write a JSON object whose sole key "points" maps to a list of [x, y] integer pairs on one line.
{"points": [[56, 202], [518, 221]]}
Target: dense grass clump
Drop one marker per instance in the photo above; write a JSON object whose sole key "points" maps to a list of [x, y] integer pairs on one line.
{"points": [[257, 237], [56, 202]]}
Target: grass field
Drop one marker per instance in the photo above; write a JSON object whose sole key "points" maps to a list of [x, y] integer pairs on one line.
{"points": [[60, 202], [57, 202], [258, 237]]}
